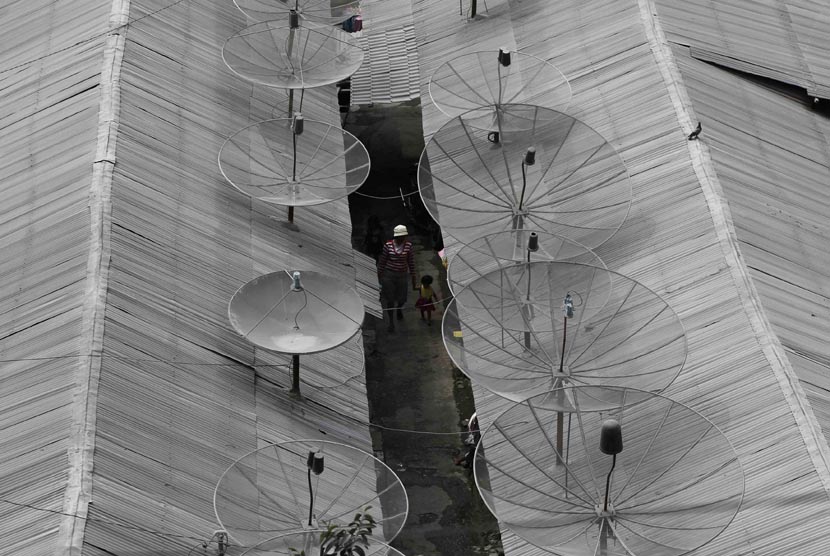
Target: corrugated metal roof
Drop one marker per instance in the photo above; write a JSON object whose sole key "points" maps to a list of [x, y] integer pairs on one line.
{"points": [[50, 69], [168, 430], [183, 242], [770, 150], [176, 395], [180, 395], [678, 240], [390, 68], [786, 40]]}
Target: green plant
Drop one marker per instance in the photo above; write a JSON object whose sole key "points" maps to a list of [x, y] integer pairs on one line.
{"points": [[345, 540]]}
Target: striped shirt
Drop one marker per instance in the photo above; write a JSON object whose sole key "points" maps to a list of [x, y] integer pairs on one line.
{"points": [[397, 259]]}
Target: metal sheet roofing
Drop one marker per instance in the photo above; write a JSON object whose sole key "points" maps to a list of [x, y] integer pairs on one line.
{"points": [[174, 395], [680, 238], [390, 68], [125, 391], [183, 242], [50, 69], [785, 40], [770, 150]]}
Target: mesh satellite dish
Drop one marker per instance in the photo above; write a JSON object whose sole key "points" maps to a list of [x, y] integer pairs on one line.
{"points": [[276, 54], [493, 90], [532, 327], [559, 176], [298, 313], [309, 542], [639, 475], [294, 161], [319, 11], [491, 252], [302, 485]]}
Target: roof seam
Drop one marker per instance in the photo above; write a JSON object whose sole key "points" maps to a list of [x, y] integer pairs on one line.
{"points": [[719, 211], [83, 428], [784, 15]]}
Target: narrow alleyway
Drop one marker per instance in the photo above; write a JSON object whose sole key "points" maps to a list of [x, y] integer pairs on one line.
{"points": [[418, 400], [413, 386]]}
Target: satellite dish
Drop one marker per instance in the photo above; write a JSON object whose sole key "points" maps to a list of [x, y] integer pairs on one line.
{"points": [[490, 96], [272, 313], [639, 474], [268, 160], [501, 249], [319, 11], [276, 490], [309, 542], [558, 176], [297, 313], [333, 367], [273, 53], [509, 330]]}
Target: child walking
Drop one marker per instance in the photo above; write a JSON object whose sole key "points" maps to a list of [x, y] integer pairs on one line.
{"points": [[426, 299]]}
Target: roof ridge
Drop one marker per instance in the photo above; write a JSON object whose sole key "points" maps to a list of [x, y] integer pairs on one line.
{"points": [[719, 211], [78, 492]]}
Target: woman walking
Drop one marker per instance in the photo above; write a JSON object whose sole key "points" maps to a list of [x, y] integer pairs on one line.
{"points": [[397, 259]]}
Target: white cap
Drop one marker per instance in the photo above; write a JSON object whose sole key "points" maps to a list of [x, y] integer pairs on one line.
{"points": [[400, 230]]}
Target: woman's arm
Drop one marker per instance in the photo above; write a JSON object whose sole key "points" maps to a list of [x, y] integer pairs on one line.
{"points": [[410, 262], [384, 256]]}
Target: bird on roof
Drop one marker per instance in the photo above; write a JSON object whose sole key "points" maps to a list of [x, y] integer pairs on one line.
{"points": [[693, 135]]}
